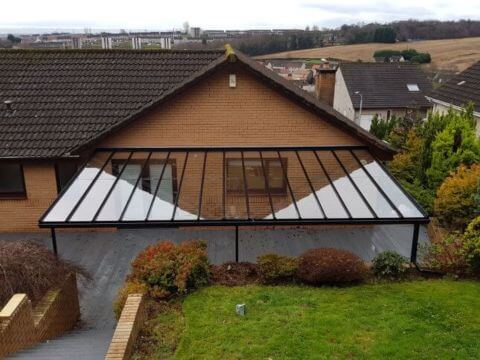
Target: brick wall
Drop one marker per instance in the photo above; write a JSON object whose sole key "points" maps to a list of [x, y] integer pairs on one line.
{"points": [[41, 187], [22, 326], [129, 325], [213, 114]]}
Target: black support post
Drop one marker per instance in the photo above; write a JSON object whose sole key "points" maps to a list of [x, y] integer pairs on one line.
{"points": [[413, 256], [236, 244], [54, 241]]}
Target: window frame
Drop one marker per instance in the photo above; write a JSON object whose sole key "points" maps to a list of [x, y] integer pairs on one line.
{"points": [[17, 195], [57, 175], [280, 191], [146, 171]]}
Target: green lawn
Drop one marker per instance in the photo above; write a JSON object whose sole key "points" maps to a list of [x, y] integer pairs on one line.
{"points": [[420, 319]]}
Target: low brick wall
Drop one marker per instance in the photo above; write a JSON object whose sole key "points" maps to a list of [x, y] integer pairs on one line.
{"points": [[22, 326], [128, 327]]}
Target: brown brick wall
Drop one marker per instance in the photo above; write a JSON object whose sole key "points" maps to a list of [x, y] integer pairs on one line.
{"points": [[22, 327], [23, 214], [212, 114]]}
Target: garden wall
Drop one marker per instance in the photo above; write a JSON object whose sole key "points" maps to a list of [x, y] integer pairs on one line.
{"points": [[128, 327], [22, 326]]}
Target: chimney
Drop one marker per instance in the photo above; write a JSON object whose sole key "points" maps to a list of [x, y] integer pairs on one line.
{"points": [[325, 85]]}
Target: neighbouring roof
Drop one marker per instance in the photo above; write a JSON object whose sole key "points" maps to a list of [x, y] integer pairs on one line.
{"points": [[461, 89], [64, 101], [386, 85]]}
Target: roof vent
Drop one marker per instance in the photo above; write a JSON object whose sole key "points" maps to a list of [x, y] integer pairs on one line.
{"points": [[8, 104], [461, 82]]}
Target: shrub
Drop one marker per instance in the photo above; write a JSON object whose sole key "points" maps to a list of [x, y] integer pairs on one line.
{"points": [[168, 269], [471, 239], [382, 128], [275, 268], [130, 287], [389, 264], [456, 201], [446, 254], [30, 268], [326, 265], [421, 58]]}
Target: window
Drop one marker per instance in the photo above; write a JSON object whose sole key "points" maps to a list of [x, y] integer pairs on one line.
{"points": [[413, 87], [256, 182], [12, 184], [64, 172], [150, 176]]}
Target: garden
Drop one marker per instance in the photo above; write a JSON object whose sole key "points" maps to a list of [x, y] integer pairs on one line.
{"points": [[329, 303], [326, 303]]}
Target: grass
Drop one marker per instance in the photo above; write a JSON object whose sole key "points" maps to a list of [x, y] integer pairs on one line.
{"points": [[160, 334], [418, 319]]}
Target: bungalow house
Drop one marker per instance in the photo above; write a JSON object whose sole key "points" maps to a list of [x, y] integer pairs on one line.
{"points": [[363, 90], [118, 138], [461, 90]]}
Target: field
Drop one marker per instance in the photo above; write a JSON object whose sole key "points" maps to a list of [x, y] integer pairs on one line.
{"points": [[421, 319], [452, 54]]}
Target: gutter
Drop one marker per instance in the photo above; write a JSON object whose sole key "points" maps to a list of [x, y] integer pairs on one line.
{"points": [[450, 105]]}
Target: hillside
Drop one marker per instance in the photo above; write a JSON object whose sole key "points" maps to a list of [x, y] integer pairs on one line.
{"points": [[452, 54]]}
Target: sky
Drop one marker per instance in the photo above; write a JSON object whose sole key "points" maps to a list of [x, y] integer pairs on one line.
{"points": [[213, 14]]}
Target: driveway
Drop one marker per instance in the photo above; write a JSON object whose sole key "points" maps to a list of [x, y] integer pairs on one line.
{"points": [[107, 255]]}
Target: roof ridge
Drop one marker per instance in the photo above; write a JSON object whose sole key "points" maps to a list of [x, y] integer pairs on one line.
{"points": [[81, 51]]}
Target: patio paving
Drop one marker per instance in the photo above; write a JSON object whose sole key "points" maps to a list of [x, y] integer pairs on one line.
{"points": [[107, 255]]}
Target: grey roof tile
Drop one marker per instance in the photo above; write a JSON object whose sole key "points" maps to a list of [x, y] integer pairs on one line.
{"points": [[385, 85], [462, 88], [62, 99]]}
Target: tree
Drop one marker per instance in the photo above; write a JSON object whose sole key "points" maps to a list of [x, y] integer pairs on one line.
{"points": [[385, 34], [422, 58], [408, 54], [382, 128], [456, 144], [13, 39]]}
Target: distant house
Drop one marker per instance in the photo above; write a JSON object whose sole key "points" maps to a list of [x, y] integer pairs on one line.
{"points": [[462, 89], [397, 58], [363, 90]]}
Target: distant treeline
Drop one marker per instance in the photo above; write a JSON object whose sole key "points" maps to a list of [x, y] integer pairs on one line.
{"points": [[410, 30], [357, 34]]}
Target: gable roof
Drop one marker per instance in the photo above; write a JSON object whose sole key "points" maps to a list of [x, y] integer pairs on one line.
{"points": [[62, 98], [66, 101], [385, 85], [462, 88]]}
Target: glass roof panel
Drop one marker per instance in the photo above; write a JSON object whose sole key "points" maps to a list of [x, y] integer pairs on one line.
{"points": [[241, 185], [166, 196], [365, 184], [143, 196], [68, 200], [357, 207], [393, 191]]}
